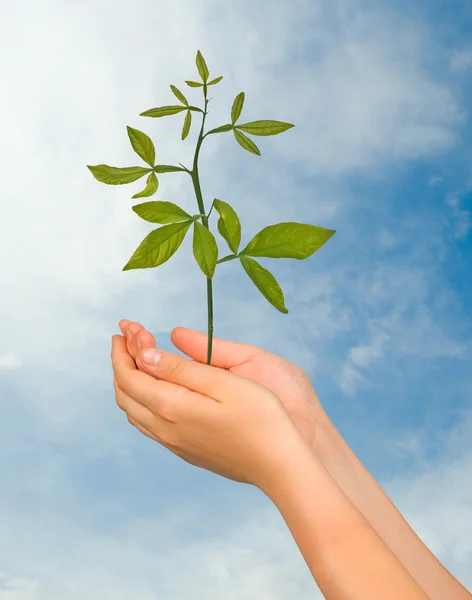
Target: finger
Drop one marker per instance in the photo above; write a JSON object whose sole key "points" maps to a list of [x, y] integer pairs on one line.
{"points": [[146, 339], [165, 399], [141, 338], [202, 378], [144, 431], [123, 324], [131, 340], [225, 354], [169, 447], [131, 407], [133, 382]]}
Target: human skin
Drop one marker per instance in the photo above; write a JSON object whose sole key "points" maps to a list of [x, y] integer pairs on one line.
{"points": [[239, 429], [294, 389]]}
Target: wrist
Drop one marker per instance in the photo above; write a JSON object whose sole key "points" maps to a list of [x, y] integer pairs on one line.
{"points": [[298, 461]]}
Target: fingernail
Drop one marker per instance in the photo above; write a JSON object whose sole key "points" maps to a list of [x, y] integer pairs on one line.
{"points": [[152, 356], [129, 333]]}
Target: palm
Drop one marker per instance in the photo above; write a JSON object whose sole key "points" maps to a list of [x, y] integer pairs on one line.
{"points": [[287, 381], [290, 384]]}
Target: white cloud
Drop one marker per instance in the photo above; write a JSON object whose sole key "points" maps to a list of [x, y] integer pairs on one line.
{"points": [[462, 219], [437, 501], [434, 180], [361, 356], [10, 362], [461, 60], [387, 239]]}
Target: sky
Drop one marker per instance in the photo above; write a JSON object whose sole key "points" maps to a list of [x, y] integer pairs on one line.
{"points": [[380, 318]]}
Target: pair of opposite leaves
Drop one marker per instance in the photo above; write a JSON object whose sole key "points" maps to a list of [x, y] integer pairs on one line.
{"points": [[283, 240]]}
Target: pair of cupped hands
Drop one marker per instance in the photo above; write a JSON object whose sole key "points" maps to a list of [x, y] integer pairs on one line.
{"points": [[243, 417]]}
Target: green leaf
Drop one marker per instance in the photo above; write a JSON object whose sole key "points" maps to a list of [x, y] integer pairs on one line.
{"points": [[214, 81], [221, 129], [246, 143], [202, 66], [161, 212], [151, 187], [226, 258], [162, 111], [142, 145], [205, 249], [187, 123], [117, 175], [194, 84], [265, 127], [237, 107], [179, 95], [288, 240], [158, 246], [228, 224], [265, 283], [167, 169]]}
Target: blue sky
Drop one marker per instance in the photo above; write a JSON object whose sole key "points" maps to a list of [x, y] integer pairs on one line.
{"points": [[380, 318]]}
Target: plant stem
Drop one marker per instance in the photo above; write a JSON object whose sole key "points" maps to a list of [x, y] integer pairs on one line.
{"points": [[201, 207]]}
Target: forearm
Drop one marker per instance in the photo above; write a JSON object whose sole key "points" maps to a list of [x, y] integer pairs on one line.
{"points": [[346, 556], [369, 498]]}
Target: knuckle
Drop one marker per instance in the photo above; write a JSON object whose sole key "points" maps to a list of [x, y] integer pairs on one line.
{"points": [[170, 439], [168, 410], [123, 384], [176, 368], [121, 401]]}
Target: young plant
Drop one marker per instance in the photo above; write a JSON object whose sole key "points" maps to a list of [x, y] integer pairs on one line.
{"points": [[283, 240]]}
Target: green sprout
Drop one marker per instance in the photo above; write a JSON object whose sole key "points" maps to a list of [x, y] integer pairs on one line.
{"points": [[283, 240]]}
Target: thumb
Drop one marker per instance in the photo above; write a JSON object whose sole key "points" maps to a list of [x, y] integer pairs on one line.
{"points": [[204, 379], [225, 354]]}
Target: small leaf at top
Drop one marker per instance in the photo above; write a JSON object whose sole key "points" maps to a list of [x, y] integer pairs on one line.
{"points": [[162, 111], [205, 249], [288, 240], [151, 187], [158, 246], [265, 283], [142, 145], [237, 107], [202, 66], [194, 84], [179, 95], [216, 80], [265, 127], [117, 175], [246, 143], [187, 123], [221, 129], [161, 212], [229, 225]]}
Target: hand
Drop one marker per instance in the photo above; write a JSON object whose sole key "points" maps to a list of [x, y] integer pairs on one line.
{"points": [[208, 416], [288, 382]]}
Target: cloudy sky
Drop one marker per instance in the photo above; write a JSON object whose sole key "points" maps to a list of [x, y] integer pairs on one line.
{"points": [[380, 318]]}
